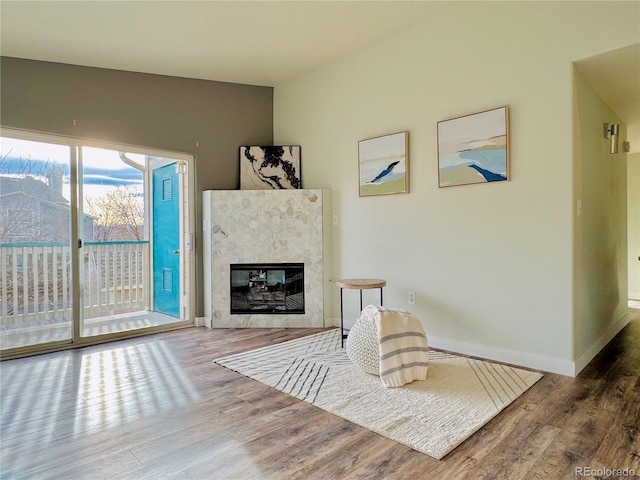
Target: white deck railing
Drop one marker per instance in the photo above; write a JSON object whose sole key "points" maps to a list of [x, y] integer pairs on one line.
{"points": [[35, 280]]}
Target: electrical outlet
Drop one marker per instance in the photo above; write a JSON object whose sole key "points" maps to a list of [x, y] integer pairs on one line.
{"points": [[412, 297]]}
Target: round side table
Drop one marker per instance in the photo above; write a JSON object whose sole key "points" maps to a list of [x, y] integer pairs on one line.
{"points": [[357, 284]]}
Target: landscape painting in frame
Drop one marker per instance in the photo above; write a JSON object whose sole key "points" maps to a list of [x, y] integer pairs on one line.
{"points": [[270, 167], [474, 148], [384, 164]]}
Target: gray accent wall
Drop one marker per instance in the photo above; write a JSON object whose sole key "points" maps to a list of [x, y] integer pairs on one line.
{"points": [[156, 111]]}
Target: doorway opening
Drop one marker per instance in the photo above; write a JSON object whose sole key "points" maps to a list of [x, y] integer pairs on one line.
{"points": [[95, 244]]}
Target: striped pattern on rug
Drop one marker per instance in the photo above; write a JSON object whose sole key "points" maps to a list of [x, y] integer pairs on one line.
{"points": [[432, 416]]}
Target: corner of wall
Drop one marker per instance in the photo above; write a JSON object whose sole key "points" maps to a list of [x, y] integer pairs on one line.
{"points": [[600, 227], [203, 322], [584, 359]]}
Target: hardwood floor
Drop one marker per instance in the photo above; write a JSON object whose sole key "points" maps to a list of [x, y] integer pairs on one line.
{"points": [[157, 407], [16, 336]]}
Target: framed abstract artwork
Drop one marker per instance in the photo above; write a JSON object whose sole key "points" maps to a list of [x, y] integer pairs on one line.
{"points": [[474, 148], [383, 164], [270, 167]]}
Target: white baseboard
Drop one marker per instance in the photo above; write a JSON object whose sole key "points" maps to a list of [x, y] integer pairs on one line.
{"points": [[599, 344], [634, 296], [528, 360], [203, 322]]}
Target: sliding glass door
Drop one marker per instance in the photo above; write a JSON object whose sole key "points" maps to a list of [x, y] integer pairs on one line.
{"points": [[94, 242]]}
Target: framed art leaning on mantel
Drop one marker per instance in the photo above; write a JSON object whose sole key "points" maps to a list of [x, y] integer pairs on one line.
{"points": [[383, 164], [474, 148], [274, 167]]}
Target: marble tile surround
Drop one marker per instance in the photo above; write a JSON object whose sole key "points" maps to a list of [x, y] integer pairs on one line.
{"points": [[264, 226]]}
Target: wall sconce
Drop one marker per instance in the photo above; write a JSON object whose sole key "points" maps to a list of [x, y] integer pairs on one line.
{"points": [[611, 132]]}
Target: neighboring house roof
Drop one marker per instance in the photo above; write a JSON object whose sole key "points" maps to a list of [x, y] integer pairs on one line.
{"points": [[41, 200], [35, 189], [51, 191]]}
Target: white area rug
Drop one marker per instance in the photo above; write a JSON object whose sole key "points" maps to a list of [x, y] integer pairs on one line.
{"points": [[432, 416]]}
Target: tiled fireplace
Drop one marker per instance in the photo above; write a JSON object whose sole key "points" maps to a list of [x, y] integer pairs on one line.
{"points": [[267, 258]]}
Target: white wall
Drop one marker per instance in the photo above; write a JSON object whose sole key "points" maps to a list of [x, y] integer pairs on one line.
{"points": [[633, 219], [491, 264], [601, 257]]}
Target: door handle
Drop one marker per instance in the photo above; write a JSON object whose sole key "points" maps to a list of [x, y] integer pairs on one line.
{"points": [[177, 252]]}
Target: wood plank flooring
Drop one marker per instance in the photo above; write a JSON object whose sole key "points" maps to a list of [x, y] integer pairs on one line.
{"points": [[156, 407]]}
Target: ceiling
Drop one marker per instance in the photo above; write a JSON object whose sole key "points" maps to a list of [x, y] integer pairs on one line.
{"points": [[249, 42]]}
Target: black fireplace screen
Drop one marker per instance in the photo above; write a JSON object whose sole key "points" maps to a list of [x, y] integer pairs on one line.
{"points": [[267, 288]]}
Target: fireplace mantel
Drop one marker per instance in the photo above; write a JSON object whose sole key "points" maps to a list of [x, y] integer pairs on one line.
{"points": [[267, 226]]}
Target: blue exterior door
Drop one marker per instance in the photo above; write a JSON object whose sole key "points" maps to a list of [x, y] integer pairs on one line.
{"points": [[166, 240]]}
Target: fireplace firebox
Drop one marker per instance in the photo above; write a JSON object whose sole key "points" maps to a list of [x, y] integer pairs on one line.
{"points": [[272, 288]]}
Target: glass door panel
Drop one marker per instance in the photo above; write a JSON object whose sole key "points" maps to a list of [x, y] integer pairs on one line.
{"points": [[36, 289], [116, 264], [115, 251]]}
